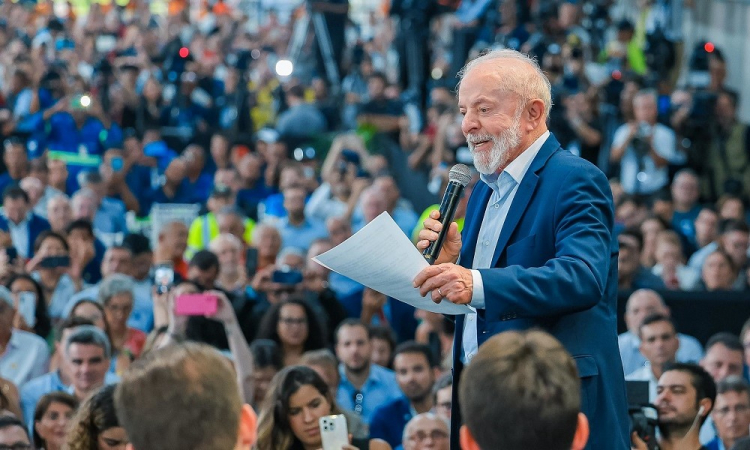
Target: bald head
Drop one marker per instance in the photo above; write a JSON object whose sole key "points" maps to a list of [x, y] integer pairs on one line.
{"points": [[641, 304]]}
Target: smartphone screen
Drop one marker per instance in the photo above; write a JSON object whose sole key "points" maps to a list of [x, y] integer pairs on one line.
{"points": [[51, 262], [116, 163], [27, 307], [251, 261], [196, 305], [163, 278]]}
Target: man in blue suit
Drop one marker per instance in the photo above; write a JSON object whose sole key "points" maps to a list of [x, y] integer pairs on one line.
{"points": [[537, 248], [17, 220]]}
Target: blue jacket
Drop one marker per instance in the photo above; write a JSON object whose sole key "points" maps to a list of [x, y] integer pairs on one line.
{"points": [[36, 226], [555, 268], [389, 421]]}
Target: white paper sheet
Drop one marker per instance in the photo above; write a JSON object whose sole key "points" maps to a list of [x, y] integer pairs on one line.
{"points": [[381, 257]]}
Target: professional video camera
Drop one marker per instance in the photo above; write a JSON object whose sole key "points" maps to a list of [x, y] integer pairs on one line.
{"points": [[643, 415]]}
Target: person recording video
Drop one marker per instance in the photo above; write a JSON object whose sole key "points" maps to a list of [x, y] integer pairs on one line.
{"points": [[685, 397]]}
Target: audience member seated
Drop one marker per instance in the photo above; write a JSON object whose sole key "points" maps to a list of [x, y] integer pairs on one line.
{"points": [[426, 431], [643, 303], [298, 397], [415, 368], [13, 435], [522, 391], [659, 346], [685, 194], [25, 355], [171, 247], [95, 425], [189, 380], [116, 295], [51, 418], [295, 327], [383, 341], [87, 352], [58, 269], [267, 362], [442, 396], [731, 413], [719, 273], [59, 213], [631, 274], [670, 263], [685, 399], [296, 229], [364, 386], [23, 286], [20, 222]]}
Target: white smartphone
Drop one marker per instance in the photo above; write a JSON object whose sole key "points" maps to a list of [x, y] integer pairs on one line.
{"points": [[27, 307], [334, 432]]}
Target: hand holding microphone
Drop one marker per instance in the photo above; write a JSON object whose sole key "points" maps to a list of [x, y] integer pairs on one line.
{"points": [[440, 240]]}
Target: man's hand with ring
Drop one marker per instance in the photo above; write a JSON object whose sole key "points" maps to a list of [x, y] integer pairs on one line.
{"points": [[446, 281]]}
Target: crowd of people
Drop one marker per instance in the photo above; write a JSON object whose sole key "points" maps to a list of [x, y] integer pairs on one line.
{"points": [[137, 145]]}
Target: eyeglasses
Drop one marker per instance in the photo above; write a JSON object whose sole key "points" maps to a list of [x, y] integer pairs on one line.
{"points": [[359, 399], [16, 446], [739, 409], [435, 435], [293, 321]]}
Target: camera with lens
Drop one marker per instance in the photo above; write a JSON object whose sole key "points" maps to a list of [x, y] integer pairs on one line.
{"points": [[640, 142], [643, 420]]}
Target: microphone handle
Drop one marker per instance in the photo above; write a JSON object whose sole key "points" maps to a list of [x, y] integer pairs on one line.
{"points": [[447, 211]]}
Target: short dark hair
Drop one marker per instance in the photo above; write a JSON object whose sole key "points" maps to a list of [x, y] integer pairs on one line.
{"points": [[350, 322], [71, 322], [728, 340], [14, 192], [12, 421], [521, 391], [416, 348], [702, 382], [137, 243], [266, 353], [729, 225], [89, 335], [81, 224], [205, 260], [195, 383], [654, 318], [635, 233], [445, 380]]}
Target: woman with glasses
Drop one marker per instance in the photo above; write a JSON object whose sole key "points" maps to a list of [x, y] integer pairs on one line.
{"points": [[95, 426], [116, 294], [51, 418], [295, 327], [298, 397]]}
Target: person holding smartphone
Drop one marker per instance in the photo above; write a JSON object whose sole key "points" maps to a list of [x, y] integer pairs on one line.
{"points": [[301, 397], [31, 309]]}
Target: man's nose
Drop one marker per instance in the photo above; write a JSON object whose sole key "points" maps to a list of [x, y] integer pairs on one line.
{"points": [[469, 123]]}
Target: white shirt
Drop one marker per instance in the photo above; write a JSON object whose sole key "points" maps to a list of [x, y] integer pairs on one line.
{"points": [[648, 178], [645, 374], [494, 218], [25, 357]]}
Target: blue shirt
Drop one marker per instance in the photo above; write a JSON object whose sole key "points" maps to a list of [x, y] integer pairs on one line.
{"points": [[389, 421], [5, 181], [690, 351], [379, 388], [37, 388], [300, 236], [273, 205], [25, 358], [201, 188], [110, 217], [504, 187]]}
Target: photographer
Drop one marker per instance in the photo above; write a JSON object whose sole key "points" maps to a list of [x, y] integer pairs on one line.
{"points": [[685, 397], [644, 148], [727, 162]]}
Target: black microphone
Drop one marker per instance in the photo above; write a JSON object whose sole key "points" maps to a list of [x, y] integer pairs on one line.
{"points": [[458, 178]]}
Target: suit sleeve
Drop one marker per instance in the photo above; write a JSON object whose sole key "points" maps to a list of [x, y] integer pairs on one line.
{"points": [[575, 279]]}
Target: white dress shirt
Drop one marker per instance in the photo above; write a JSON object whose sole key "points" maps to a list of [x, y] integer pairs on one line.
{"points": [[504, 187]]}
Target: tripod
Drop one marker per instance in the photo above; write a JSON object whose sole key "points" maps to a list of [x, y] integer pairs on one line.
{"points": [[323, 39]]}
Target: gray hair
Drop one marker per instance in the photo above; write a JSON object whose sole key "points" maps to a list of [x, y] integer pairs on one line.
{"points": [[89, 335], [428, 415], [290, 251], [732, 383], [114, 285], [84, 192], [653, 94], [527, 87]]}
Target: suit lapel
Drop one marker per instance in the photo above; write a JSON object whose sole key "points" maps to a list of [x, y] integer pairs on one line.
{"points": [[523, 195]]}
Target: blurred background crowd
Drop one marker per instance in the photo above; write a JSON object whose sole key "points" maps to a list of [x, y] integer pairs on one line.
{"points": [[229, 142]]}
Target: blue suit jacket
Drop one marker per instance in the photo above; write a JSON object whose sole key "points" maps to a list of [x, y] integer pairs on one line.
{"points": [[557, 257], [389, 420], [36, 226]]}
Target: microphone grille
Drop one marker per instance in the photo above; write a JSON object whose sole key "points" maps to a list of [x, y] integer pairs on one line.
{"points": [[461, 174]]}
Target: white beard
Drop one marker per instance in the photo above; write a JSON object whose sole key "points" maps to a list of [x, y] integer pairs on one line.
{"points": [[487, 163]]}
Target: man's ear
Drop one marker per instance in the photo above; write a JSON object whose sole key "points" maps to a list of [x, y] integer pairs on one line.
{"points": [[247, 432], [467, 440], [582, 433], [535, 113]]}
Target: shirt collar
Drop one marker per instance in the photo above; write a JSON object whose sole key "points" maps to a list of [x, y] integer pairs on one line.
{"points": [[518, 167]]}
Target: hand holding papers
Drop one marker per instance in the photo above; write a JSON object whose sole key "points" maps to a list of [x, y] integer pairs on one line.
{"points": [[381, 257]]}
